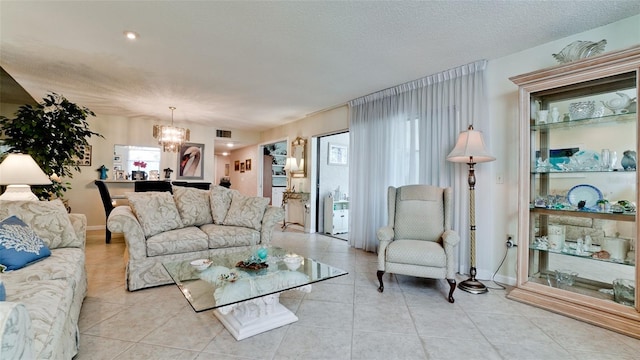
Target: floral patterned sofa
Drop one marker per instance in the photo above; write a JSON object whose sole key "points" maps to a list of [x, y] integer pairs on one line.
{"points": [[189, 224], [39, 319]]}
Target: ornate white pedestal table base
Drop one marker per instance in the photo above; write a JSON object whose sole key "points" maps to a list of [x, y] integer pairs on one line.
{"points": [[256, 316]]}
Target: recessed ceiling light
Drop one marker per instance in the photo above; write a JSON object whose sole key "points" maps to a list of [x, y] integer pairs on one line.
{"points": [[225, 153], [230, 144], [131, 35]]}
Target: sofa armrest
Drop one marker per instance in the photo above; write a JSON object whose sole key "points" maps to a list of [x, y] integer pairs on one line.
{"points": [[450, 240], [272, 215], [122, 220], [16, 335], [79, 223], [385, 236]]}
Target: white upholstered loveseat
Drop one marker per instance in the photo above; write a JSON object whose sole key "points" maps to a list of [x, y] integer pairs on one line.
{"points": [[39, 319], [188, 224]]}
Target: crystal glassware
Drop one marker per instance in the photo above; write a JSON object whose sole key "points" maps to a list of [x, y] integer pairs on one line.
{"points": [[605, 159]]}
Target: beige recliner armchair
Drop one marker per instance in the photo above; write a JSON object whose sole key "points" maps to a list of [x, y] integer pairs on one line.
{"points": [[418, 240]]}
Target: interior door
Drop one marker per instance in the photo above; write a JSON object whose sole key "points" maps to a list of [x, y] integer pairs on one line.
{"points": [[267, 162]]}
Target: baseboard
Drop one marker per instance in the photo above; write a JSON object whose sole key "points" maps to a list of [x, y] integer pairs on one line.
{"points": [[505, 280]]}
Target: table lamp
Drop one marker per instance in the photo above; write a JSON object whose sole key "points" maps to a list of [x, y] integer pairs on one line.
{"points": [[470, 149], [18, 172]]}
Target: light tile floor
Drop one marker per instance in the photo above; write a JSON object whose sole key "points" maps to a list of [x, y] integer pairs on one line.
{"points": [[343, 318]]}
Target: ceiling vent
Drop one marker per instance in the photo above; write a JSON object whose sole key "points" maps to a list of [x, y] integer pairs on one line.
{"points": [[223, 134]]}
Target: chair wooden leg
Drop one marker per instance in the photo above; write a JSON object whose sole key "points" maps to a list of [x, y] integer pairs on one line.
{"points": [[108, 236], [452, 284], [380, 273]]}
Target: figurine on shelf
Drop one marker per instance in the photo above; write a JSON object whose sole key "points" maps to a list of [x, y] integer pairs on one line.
{"points": [[103, 172], [167, 173], [628, 161]]}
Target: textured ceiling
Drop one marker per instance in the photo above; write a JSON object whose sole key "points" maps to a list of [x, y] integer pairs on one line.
{"points": [[255, 65]]}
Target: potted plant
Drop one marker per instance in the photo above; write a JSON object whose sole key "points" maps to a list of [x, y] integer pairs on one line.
{"points": [[603, 204], [52, 132], [139, 175]]}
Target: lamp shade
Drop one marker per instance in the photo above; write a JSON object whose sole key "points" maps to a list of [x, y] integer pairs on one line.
{"points": [[293, 164], [470, 148], [21, 169]]}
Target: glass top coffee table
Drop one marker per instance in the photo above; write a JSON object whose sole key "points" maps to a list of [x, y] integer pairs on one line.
{"points": [[244, 287]]}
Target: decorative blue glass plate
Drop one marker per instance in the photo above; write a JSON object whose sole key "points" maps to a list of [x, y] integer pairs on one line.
{"points": [[589, 193]]}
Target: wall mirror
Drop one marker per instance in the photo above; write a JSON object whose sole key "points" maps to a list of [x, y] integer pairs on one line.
{"points": [[124, 157], [298, 152]]}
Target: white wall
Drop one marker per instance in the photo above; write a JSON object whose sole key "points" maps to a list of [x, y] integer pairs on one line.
{"points": [[497, 209]]}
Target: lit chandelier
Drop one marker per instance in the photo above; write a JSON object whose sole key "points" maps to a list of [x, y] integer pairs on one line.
{"points": [[170, 137]]}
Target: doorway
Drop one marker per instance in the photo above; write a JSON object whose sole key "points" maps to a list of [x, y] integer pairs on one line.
{"points": [[332, 184], [274, 178]]}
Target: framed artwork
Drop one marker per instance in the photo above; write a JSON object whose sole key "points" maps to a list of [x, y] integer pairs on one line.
{"points": [[248, 164], [191, 161], [236, 165], [119, 174], [242, 167], [338, 154], [226, 169], [84, 156]]}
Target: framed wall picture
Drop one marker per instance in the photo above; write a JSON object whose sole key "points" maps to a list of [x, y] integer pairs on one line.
{"points": [[248, 164], [338, 154], [226, 169], [236, 165], [191, 162], [84, 156], [242, 167]]}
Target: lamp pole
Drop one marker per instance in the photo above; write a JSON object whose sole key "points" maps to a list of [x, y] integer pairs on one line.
{"points": [[472, 285]]}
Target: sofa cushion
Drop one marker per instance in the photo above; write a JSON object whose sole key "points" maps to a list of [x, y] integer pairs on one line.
{"points": [[19, 245], [246, 211], [193, 205], [48, 219], [156, 211], [220, 200], [417, 252], [48, 303], [62, 264], [177, 241], [224, 236]]}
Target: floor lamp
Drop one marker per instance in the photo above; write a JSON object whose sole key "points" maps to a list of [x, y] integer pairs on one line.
{"points": [[470, 149]]}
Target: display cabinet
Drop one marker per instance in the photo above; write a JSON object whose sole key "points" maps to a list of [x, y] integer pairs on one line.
{"points": [[336, 216], [577, 250], [279, 177]]}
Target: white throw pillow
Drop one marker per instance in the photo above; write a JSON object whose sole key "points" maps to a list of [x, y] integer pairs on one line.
{"points": [[156, 211], [220, 200], [193, 205], [246, 211]]}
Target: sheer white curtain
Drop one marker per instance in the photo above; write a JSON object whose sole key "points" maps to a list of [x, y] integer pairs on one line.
{"points": [[401, 136]]}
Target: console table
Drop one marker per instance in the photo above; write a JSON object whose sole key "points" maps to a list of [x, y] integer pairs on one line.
{"points": [[301, 197]]}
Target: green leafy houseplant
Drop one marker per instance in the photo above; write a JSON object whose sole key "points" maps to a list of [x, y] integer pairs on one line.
{"points": [[52, 133]]}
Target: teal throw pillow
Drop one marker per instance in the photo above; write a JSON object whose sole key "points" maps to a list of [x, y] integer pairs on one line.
{"points": [[19, 245]]}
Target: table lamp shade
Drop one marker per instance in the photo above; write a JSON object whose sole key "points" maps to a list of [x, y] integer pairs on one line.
{"points": [[21, 169], [470, 148]]}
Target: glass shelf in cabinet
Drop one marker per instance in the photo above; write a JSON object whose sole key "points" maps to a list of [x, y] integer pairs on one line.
{"points": [[626, 216], [583, 255], [620, 171], [618, 118]]}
